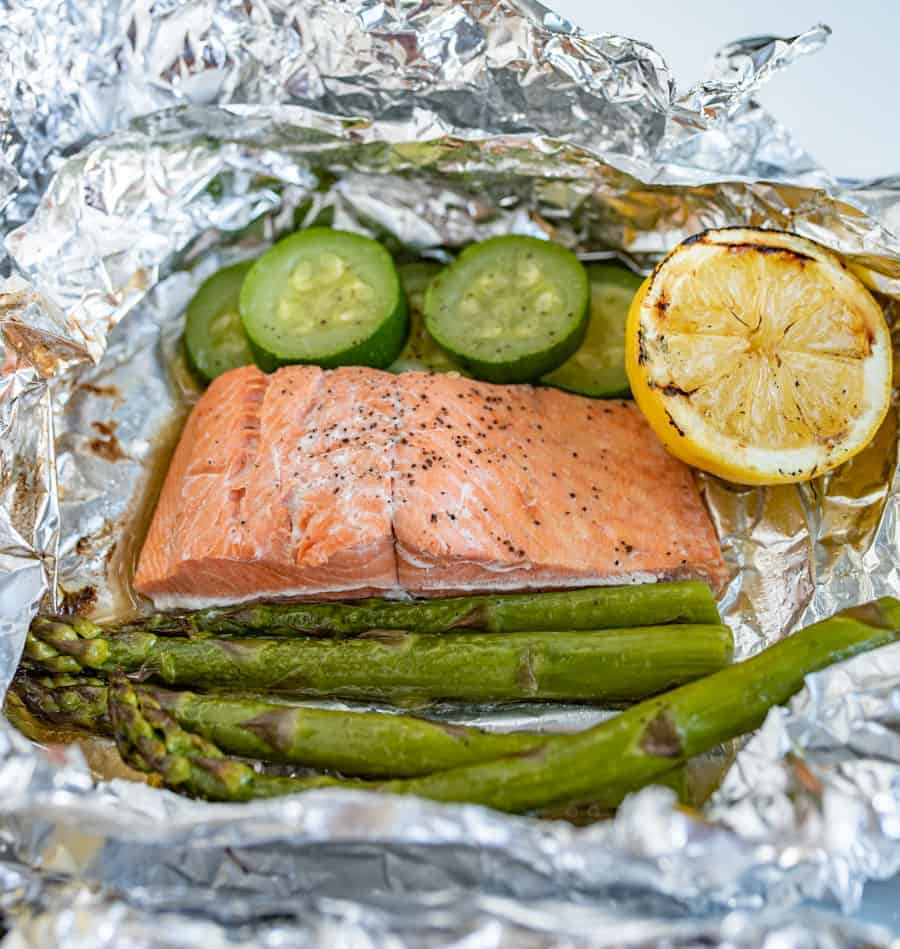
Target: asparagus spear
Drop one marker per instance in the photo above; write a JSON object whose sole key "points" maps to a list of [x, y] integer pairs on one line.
{"points": [[65, 701], [651, 604], [355, 743], [352, 743], [612, 666], [601, 764], [632, 749], [151, 739]]}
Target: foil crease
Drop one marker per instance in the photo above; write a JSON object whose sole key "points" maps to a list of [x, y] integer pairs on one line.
{"points": [[142, 146], [807, 812], [76, 921]]}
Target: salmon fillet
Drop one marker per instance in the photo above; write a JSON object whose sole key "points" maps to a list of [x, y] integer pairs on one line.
{"points": [[308, 484], [279, 484]]}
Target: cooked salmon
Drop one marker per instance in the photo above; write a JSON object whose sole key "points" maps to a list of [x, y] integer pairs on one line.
{"points": [[310, 483]]}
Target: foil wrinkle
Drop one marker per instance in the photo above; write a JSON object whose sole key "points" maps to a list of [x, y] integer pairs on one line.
{"points": [[143, 145]]}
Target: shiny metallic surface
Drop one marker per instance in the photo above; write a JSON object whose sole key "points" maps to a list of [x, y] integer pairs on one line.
{"points": [[142, 146], [85, 921]]}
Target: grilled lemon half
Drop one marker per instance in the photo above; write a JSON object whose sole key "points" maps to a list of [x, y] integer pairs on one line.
{"points": [[757, 356]]}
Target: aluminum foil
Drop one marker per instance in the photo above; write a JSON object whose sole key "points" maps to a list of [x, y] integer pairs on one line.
{"points": [[142, 145]]}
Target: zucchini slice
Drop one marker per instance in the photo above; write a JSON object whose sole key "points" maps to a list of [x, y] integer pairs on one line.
{"points": [[327, 297], [213, 336], [597, 369], [421, 353], [509, 309]]}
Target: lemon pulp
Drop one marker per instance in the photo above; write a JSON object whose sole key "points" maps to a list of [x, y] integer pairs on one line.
{"points": [[758, 356]]}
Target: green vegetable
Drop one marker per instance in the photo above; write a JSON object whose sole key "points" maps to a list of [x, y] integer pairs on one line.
{"points": [[509, 309], [327, 297], [379, 745], [65, 701], [356, 743], [651, 604], [149, 739], [421, 353], [600, 765], [597, 369], [605, 762], [612, 666], [213, 335]]}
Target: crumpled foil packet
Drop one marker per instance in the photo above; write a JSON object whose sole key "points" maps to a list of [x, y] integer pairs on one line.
{"points": [[142, 145]]}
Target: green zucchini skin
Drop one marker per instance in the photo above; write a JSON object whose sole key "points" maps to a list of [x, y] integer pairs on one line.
{"points": [[324, 297], [421, 353], [214, 338], [510, 309], [597, 368]]}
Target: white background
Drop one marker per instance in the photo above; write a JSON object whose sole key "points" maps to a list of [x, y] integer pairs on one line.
{"points": [[842, 103]]}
